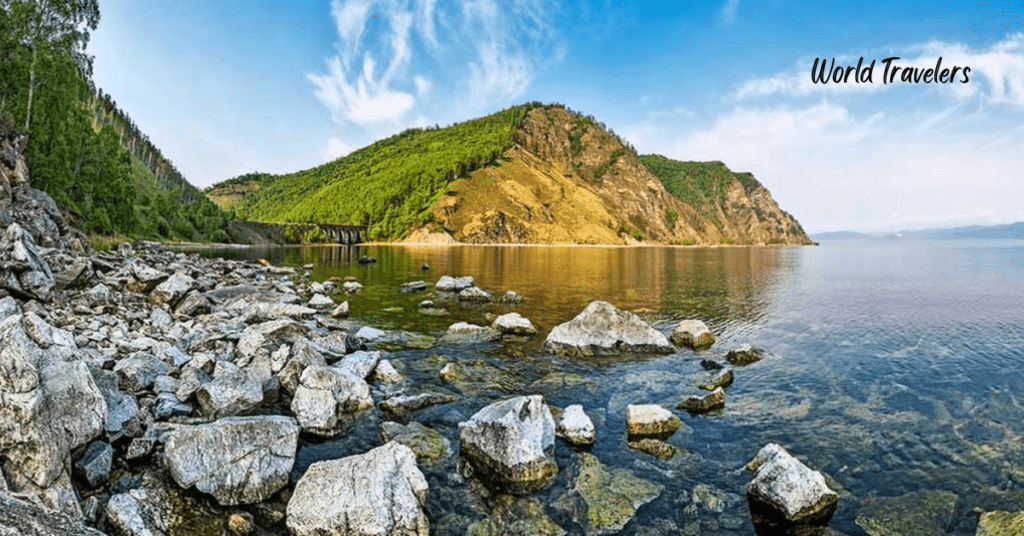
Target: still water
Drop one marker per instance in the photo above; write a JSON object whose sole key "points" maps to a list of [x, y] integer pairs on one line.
{"points": [[892, 367]]}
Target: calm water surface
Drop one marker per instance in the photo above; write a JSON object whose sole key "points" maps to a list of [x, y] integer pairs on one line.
{"points": [[893, 367]]}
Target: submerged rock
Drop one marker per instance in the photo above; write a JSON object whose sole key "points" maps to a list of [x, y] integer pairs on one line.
{"points": [[918, 513], [602, 329], [1000, 523], [512, 515], [511, 297], [654, 447], [784, 491], [238, 460], [692, 334], [575, 426], [650, 420], [703, 404], [381, 492], [744, 355], [403, 405], [719, 380], [428, 444], [603, 499], [466, 333], [413, 286], [507, 442]]}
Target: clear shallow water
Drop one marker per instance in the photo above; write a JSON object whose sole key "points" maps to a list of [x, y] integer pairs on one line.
{"points": [[893, 367]]}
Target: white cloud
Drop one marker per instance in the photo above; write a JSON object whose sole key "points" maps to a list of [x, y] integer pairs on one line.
{"points": [[336, 148], [729, 11]]}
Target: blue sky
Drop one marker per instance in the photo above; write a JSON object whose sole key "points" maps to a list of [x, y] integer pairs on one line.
{"points": [[230, 87]]}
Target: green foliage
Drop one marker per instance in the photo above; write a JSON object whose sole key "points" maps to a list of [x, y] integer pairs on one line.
{"points": [[82, 150], [703, 185], [315, 235], [670, 217], [390, 186]]}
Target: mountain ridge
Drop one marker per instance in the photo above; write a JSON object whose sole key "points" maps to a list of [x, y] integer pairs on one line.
{"points": [[529, 174]]}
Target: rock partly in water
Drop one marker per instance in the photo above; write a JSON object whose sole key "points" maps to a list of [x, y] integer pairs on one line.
{"points": [[511, 297], [413, 286], [693, 334], [602, 329], [321, 302], [325, 397], [381, 492], [702, 404], [575, 426], [448, 283], [650, 420], [784, 491], [341, 311], [508, 442], [403, 405], [475, 295], [385, 372], [602, 499], [514, 324], [719, 379], [238, 460], [744, 355], [918, 513], [466, 333], [654, 447]]}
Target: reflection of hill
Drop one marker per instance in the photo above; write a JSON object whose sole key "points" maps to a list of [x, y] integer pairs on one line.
{"points": [[719, 285]]}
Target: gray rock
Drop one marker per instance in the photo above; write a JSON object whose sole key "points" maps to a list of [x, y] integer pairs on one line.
{"points": [[448, 283], [94, 465], [38, 330], [341, 311], [368, 334], [692, 334], [650, 420], [194, 303], [360, 364], [602, 499], [146, 277], [8, 307], [168, 405], [99, 294], [51, 405], [177, 357], [702, 404], [320, 302], [718, 380], [172, 290], [19, 518], [1000, 523], [231, 393], [601, 329], [122, 410], [512, 515], [509, 441], [138, 371], [403, 405], [325, 396], [23, 271], [413, 286], [575, 426], [475, 295], [351, 287], [784, 490], [514, 324], [238, 460], [125, 249], [511, 297], [466, 333], [302, 355], [381, 492], [190, 381], [75, 275], [385, 372], [159, 318]]}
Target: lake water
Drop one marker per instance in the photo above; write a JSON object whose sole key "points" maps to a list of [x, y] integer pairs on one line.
{"points": [[892, 367]]}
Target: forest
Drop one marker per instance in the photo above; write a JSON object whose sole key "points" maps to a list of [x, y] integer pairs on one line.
{"points": [[84, 151]]}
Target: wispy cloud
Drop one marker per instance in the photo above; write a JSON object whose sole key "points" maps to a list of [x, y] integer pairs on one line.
{"points": [[393, 54], [729, 11]]}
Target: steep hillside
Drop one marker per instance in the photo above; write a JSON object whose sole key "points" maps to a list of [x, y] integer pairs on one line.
{"points": [[530, 174]]}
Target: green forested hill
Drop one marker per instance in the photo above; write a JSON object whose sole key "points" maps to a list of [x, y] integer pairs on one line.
{"points": [[390, 185], [697, 183]]}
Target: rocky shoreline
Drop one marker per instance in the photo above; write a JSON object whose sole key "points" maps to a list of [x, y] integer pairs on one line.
{"points": [[148, 392]]}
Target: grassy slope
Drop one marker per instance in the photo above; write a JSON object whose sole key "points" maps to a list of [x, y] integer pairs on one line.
{"points": [[390, 185]]}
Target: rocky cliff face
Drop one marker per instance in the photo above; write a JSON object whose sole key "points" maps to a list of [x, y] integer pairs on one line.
{"points": [[569, 180]]}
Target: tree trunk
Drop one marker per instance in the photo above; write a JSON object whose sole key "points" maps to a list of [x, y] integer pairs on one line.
{"points": [[31, 88]]}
